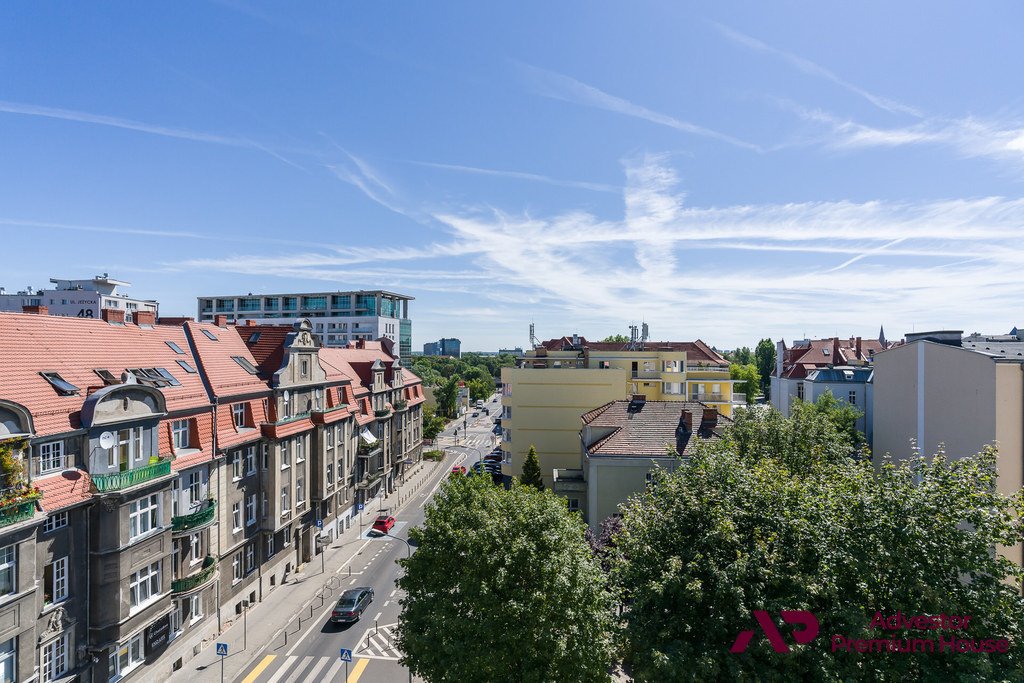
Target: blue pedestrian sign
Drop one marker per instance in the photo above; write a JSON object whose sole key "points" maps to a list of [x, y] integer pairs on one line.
{"points": [[346, 655], [222, 649], [319, 524], [360, 506]]}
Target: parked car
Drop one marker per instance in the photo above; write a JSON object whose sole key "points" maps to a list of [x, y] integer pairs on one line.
{"points": [[384, 523], [493, 457], [494, 400], [476, 414], [458, 469], [352, 604]]}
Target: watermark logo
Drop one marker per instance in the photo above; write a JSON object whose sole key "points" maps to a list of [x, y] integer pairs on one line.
{"points": [[797, 617]]}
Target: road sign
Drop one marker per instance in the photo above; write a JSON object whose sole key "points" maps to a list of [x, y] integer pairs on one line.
{"points": [[360, 508], [319, 524], [222, 649], [346, 655]]}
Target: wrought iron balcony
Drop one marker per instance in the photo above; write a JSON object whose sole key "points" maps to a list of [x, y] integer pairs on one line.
{"points": [[369, 480], [18, 509], [122, 480], [198, 579], [196, 519], [401, 405], [382, 413]]}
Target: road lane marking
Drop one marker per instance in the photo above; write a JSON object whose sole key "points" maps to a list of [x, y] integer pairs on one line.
{"points": [[311, 676], [352, 581], [285, 667], [387, 602], [255, 673], [332, 673], [378, 616], [357, 671], [393, 593]]}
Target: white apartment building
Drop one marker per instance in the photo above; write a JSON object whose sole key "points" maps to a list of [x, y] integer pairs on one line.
{"points": [[78, 298], [337, 317]]}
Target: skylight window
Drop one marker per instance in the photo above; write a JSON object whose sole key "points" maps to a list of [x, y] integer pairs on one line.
{"points": [[209, 335], [168, 376], [154, 377], [175, 347], [246, 365], [63, 387], [107, 376], [254, 338], [186, 367]]}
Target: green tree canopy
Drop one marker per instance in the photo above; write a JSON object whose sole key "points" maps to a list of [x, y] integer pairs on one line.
{"points": [[764, 359], [807, 528], [503, 587], [447, 394], [531, 470], [432, 424], [742, 355], [747, 379], [616, 339]]}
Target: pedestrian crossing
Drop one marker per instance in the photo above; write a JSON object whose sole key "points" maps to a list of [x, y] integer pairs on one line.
{"points": [[310, 668], [378, 643]]}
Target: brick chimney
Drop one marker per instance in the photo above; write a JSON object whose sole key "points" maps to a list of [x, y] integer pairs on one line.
{"points": [[709, 419], [145, 318], [114, 316], [175, 321], [220, 320], [858, 348], [36, 310], [686, 419], [249, 322]]}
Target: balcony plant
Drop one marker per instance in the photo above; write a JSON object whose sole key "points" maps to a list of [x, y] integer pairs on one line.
{"points": [[12, 471]]}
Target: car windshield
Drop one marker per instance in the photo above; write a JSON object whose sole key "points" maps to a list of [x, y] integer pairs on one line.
{"points": [[343, 603]]}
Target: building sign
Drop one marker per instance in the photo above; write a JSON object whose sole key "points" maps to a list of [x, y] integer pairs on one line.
{"points": [[157, 635]]}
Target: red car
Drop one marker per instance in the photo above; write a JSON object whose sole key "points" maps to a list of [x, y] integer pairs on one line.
{"points": [[458, 469], [384, 523]]}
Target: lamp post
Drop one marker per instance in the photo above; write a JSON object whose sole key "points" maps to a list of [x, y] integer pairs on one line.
{"points": [[408, 556]]}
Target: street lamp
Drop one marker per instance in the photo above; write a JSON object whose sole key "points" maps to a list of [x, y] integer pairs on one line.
{"points": [[408, 556]]}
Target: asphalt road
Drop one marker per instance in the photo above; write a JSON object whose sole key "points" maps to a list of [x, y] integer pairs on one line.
{"points": [[313, 653]]}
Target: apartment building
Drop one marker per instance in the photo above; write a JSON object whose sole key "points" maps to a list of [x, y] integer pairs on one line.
{"points": [[623, 442], [337, 317], [542, 400], [78, 298], [443, 347], [933, 393], [156, 468]]}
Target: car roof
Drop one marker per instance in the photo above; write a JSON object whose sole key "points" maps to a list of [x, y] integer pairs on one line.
{"points": [[354, 593]]}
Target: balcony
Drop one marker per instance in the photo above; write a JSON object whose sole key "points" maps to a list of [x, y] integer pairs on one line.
{"points": [[645, 374], [195, 520], [123, 480], [382, 414], [197, 580], [717, 398], [18, 504], [401, 405], [707, 368], [566, 481], [369, 480], [365, 450], [739, 398]]}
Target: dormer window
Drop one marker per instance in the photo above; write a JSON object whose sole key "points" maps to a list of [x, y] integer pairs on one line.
{"points": [[825, 352], [63, 387]]}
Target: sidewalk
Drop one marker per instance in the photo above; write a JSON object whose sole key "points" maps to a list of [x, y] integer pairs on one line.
{"points": [[280, 609]]}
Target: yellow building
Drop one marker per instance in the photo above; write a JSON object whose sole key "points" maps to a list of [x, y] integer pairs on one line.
{"points": [[543, 402]]}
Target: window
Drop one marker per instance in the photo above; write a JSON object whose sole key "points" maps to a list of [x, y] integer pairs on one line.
{"points": [[318, 395], [853, 398], [175, 347], [238, 414], [196, 607], [305, 368], [143, 516], [300, 450], [54, 522], [8, 662], [246, 365], [330, 437], [195, 484], [126, 658], [330, 474], [299, 495], [285, 506], [250, 558], [254, 338], [175, 496], [8, 570], [195, 546], [250, 510], [168, 377], [236, 465], [250, 460], [107, 376], [51, 456], [800, 391], [236, 517], [285, 404], [236, 568], [179, 434], [144, 586], [55, 658], [209, 335], [266, 506], [186, 367], [63, 387], [55, 582], [286, 460], [574, 505], [270, 545], [266, 451], [176, 619], [127, 449]]}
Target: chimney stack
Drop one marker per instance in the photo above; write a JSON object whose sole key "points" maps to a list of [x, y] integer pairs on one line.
{"points": [[114, 316], [687, 420], [858, 347], [220, 320], [709, 419], [249, 322], [35, 310], [145, 318]]}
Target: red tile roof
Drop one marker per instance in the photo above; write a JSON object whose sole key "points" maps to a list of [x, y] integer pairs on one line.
{"points": [[226, 377], [648, 431], [74, 347], [63, 489], [798, 361], [696, 351], [268, 349]]}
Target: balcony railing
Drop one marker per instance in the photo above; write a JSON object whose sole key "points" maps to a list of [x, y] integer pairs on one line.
{"points": [[382, 413], [195, 519], [401, 405], [739, 398], [18, 504], [713, 398], [369, 480], [129, 478], [197, 579]]}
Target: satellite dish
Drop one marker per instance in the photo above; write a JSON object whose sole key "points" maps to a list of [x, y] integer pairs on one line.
{"points": [[107, 440]]}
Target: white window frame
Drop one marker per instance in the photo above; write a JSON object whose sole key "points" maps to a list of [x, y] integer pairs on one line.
{"points": [[177, 622], [300, 450], [250, 509], [9, 660], [9, 565], [59, 578], [286, 461], [236, 517], [134, 651], [236, 567], [195, 608], [51, 457], [250, 559], [195, 546], [236, 465], [144, 517], [58, 520], [285, 500], [144, 587], [238, 415], [53, 658], [195, 489], [250, 460], [180, 434], [300, 496]]}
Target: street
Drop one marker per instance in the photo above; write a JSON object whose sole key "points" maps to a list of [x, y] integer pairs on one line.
{"points": [[312, 651]]}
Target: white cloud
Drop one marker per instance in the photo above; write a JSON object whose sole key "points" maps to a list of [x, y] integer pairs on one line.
{"points": [[520, 175]]}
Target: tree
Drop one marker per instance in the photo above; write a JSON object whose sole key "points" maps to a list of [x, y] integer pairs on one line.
{"points": [[840, 413], [764, 359], [801, 529], [531, 470], [447, 394], [615, 339], [432, 424], [481, 388], [742, 355], [747, 380], [503, 587]]}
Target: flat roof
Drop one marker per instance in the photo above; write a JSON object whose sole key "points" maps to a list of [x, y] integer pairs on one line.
{"points": [[385, 292]]}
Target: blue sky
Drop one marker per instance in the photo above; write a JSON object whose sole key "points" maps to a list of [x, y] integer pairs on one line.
{"points": [[725, 174]]}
